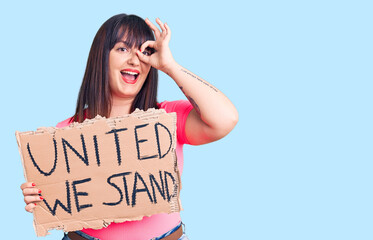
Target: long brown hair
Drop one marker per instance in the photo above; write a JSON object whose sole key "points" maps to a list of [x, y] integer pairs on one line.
{"points": [[94, 96]]}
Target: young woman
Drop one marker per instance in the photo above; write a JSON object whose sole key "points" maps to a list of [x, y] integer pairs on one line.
{"points": [[121, 75]]}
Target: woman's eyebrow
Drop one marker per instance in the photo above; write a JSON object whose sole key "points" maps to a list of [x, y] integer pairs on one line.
{"points": [[125, 43]]}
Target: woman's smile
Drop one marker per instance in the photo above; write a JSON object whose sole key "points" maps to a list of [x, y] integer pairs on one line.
{"points": [[130, 75]]}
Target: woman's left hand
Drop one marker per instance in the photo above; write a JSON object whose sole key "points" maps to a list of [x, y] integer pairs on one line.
{"points": [[162, 58]]}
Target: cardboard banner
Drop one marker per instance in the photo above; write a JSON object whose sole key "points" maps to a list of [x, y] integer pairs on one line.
{"points": [[103, 170]]}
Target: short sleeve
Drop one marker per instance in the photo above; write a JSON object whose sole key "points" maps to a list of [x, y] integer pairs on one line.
{"points": [[182, 109]]}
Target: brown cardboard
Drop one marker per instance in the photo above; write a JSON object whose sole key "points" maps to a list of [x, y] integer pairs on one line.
{"points": [[93, 169]]}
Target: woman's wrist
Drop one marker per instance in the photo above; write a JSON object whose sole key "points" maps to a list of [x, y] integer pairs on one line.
{"points": [[170, 68]]}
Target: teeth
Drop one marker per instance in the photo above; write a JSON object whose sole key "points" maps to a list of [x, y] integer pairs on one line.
{"points": [[131, 73]]}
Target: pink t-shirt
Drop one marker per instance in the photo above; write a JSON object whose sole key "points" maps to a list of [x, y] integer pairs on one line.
{"points": [[157, 224]]}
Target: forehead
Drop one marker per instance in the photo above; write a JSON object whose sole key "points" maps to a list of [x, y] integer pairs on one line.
{"points": [[131, 37]]}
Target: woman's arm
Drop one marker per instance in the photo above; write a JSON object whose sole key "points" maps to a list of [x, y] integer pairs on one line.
{"points": [[214, 115]]}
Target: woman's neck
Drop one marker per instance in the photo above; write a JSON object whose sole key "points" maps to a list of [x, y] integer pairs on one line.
{"points": [[120, 106]]}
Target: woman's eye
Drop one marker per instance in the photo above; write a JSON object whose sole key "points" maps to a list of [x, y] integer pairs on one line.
{"points": [[146, 53], [122, 49]]}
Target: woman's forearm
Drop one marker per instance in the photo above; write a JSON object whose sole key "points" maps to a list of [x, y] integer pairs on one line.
{"points": [[213, 107]]}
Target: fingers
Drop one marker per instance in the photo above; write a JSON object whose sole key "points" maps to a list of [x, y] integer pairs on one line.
{"points": [[27, 185], [146, 44], [31, 191], [142, 57], [31, 195], [140, 53], [156, 31], [30, 207], [31, 202], [29, 188], [164, 27], [32, 199], [167, 29], [160, 23]]}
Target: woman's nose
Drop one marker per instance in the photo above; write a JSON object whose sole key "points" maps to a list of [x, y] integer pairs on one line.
{"points": [[133, 58]]}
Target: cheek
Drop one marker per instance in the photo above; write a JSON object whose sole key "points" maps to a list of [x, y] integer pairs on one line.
{"points": [[115, 61], [110, 69], [145, 68], [112, 85], [111, 79]]}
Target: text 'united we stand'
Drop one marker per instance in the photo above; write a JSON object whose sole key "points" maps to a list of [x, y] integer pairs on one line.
{"points": [[117, 169]]}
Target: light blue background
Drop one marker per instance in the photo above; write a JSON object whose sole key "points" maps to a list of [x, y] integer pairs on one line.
{"points": [[299, 163]]}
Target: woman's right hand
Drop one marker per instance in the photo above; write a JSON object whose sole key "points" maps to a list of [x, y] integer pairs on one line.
{"points": [[31, 195]]}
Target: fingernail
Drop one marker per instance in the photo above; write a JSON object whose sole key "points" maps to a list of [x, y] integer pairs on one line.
{"points": [[39, 191], [41, 198], [33, 184], [35, 204]]}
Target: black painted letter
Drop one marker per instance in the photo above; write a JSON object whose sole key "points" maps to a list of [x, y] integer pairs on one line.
{"points": [[135, 190], [76, 194], [96, 150], [152, 179], [58, 202], [115, 131], [84, 159], [158, 143], [118, 188], [37, 166], [174, 185], [140, 141]]}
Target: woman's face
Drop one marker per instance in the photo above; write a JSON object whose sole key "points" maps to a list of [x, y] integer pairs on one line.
{"points": [[127, 73]]}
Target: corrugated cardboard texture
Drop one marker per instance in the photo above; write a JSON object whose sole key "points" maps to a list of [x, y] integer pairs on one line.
{"points": [[103, 170]]}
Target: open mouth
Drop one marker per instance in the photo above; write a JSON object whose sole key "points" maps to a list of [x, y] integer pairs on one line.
{"points": [[129, 76]]}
